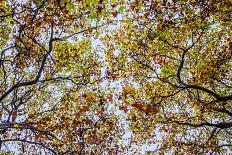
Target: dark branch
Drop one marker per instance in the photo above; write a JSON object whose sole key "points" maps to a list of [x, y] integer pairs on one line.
{"points": [[30, 142]]}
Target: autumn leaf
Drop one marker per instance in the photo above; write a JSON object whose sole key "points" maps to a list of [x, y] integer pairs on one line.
{"points": [[138, 105], [133, 118], [84, 109], [30, 120], [38, 24], [123, 108], [115, 77], [89, 97], [115, 13], [127, 89], [14, 115], [90, 29], [110, 97]]}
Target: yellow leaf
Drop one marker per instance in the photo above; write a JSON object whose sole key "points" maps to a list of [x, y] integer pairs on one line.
{"points": [[30, 120], [16, 125]]}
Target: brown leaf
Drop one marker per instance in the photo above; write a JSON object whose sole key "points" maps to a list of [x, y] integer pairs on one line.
{"points": [[115, 13], [138, 106], [14, 115], [38, 24], [89, 97], [133, 118], [90, 29]]}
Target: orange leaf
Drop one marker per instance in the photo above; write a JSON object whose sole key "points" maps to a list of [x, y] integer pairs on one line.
{"points": [[127, 89], [90, 29], [89, 97]]}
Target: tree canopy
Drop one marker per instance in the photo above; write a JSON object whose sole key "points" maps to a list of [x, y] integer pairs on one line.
{"points": [[115, 77]]}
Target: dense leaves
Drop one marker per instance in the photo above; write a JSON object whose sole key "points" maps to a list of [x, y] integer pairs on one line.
{"points": [[114, 77]]}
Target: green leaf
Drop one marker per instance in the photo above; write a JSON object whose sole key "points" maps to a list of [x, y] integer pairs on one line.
{"points": [[90, 1], [121, 9], [93, 16], [71, 6], [89, 8]]}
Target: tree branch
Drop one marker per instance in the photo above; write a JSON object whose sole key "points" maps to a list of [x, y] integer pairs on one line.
{"points": [[30, 142]]}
